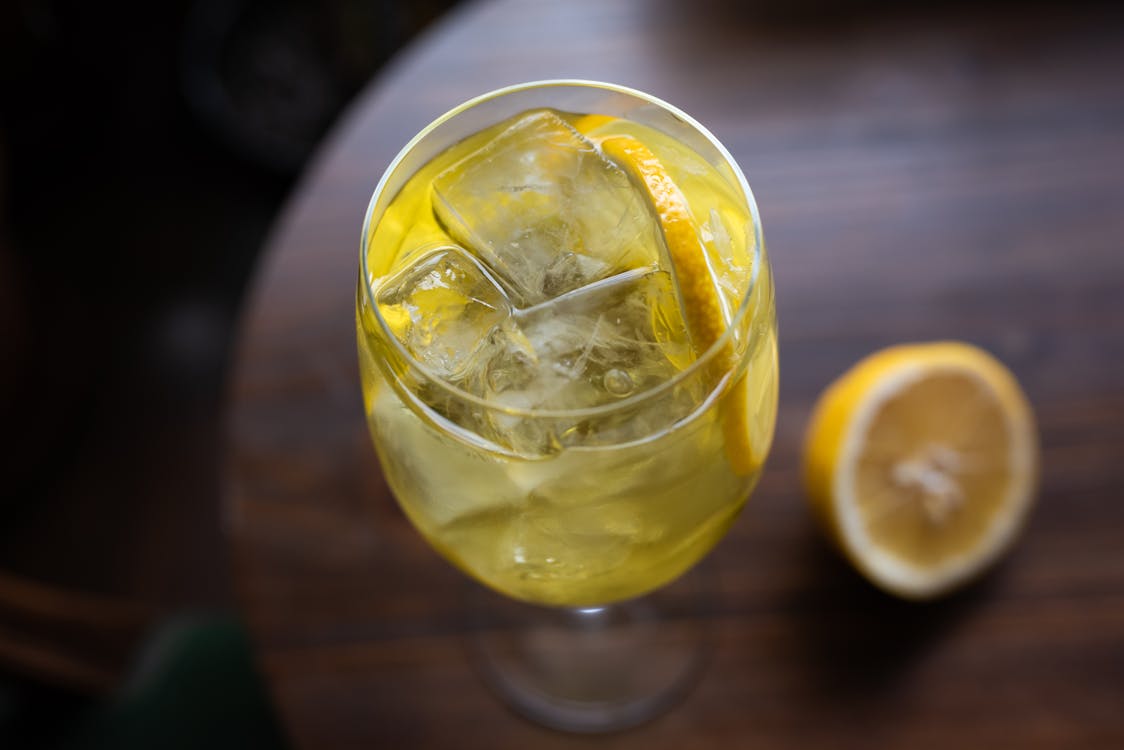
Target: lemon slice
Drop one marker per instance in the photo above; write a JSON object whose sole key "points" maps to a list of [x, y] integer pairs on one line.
{"points": [[921, 462], [703, 310]]}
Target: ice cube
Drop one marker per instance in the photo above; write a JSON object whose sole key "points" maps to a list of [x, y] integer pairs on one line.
{"points": [[589, 347], [545, 211], [443, 308], [607, 340], [408, 452], [550, 543]]}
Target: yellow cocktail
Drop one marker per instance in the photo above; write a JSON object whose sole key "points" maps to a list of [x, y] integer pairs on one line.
{"points": [[567, 346], [567, 343]]}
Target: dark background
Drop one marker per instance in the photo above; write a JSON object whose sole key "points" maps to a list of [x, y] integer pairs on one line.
{"points": [[145, 148]]}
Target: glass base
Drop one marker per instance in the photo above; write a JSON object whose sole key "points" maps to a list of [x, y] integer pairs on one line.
{"points": [[594, 669]]}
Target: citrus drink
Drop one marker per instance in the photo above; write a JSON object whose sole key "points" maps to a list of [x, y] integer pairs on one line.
{"points": [[568, 353]]}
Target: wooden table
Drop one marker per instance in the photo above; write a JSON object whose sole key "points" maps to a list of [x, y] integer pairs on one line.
{"points": [[943, 173]]}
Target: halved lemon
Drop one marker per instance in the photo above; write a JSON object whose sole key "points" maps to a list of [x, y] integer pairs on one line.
{"points": [[922, 462], [702, 306]]}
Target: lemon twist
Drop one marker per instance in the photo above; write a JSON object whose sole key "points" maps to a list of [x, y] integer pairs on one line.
{"points": [[702, 306]]}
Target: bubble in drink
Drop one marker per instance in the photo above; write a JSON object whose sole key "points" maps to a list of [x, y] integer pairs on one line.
{"points": [[618, 382]]}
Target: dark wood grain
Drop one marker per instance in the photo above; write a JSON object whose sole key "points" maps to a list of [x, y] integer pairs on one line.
{"points": [[946, 173]]}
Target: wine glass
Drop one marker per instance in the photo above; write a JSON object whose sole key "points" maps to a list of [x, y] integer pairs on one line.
{"points": [[567, 344]]}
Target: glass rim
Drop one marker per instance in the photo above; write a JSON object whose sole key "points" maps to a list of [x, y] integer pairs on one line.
{"points": [[702, 361]]}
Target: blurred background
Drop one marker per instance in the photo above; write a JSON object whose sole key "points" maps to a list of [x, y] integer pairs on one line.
{"points": [[144, 151]]}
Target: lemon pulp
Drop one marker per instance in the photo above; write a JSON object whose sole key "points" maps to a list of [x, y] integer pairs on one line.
{"points": [[921, 462]]}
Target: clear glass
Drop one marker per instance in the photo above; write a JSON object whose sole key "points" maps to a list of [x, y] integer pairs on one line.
{"points": [[578, 514]]}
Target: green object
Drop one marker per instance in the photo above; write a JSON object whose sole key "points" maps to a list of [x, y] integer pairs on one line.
{"points": [[196, 686]]}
